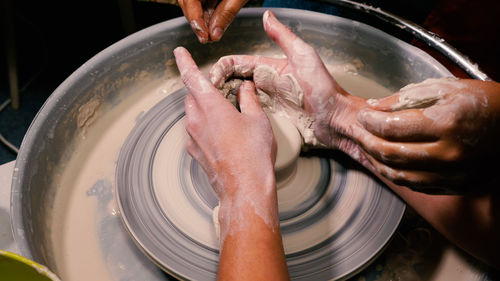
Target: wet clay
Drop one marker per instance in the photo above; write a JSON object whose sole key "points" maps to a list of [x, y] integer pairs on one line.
{"points": [[83, 212]]}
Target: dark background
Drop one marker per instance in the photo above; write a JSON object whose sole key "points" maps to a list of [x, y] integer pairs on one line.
{"points": [[54, 38]]}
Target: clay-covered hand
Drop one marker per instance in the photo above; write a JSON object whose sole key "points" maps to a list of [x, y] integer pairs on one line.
{"points": [[209, 19], [298, 85], [441, 135], [236, 149]]}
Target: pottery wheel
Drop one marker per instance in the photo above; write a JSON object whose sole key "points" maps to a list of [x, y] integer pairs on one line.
{"points": [[334, 220]]}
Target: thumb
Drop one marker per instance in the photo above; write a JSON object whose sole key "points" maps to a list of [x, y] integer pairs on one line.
{"points": [[293, 47], [249, 104], [224, 14]]}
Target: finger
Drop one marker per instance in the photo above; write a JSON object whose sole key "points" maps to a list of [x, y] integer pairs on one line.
{"points": [[294, 48], [249, 104], [194, 126], [193, 11], [224, 14], [194, 122], [419, 95], [190, 106], [196, 153], [240, 66], [197, 84], [419, 180], [406, 125], [407, 154], [384, 104], [416, 179]]}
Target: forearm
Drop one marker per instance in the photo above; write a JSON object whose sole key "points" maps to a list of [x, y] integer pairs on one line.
{"points": [[251, 245], [470, 222]]}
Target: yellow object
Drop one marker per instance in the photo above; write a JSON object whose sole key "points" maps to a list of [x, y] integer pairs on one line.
{"points": [[14, 267]]}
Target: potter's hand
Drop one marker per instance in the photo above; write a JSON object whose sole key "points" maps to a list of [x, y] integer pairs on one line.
{"points": [[210, 18], [298, 83], [436, 136], [235, 149]]}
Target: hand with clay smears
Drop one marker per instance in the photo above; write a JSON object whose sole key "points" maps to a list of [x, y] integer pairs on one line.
{"points": [[435, 136], [302, 72], [209, 19], [237, 151], [222, 139]]}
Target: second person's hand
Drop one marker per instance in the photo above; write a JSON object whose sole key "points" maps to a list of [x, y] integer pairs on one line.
{"points": [[440, 135], [209, 19], [224, 140]]}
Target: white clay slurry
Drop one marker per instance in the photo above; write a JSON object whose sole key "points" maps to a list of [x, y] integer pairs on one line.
{"points": [[78, 221], [77, 218], [424, 94]]}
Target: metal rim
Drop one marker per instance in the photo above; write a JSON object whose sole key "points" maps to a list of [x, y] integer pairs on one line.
{"points": [[58, 103], [432, 39]]}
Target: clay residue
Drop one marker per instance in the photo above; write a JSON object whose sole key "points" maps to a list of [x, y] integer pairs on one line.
{"points": [[75, 237], [230, 90], [423, 94], [88, 113], [280, 94]]}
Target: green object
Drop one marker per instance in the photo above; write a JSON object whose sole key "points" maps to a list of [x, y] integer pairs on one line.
{"points": [[14, 267]]}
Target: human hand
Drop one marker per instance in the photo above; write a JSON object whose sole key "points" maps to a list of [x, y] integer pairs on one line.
{"points": [[209, 19], [299, 83], [236, 150], [437, 136]]}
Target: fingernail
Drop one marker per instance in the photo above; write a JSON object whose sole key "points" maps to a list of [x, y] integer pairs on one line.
{"points": [[265, 18], [216, 34], [247, 85], [266, 15], [178, 50]]}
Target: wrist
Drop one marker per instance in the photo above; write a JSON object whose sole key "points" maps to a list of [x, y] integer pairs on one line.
{"points": [[236, 179], [247, 203], [247, 186]]}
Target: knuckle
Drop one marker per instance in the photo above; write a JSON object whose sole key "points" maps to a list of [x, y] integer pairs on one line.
{"points": [[191, 126], [454, 154], [369, 143]]}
